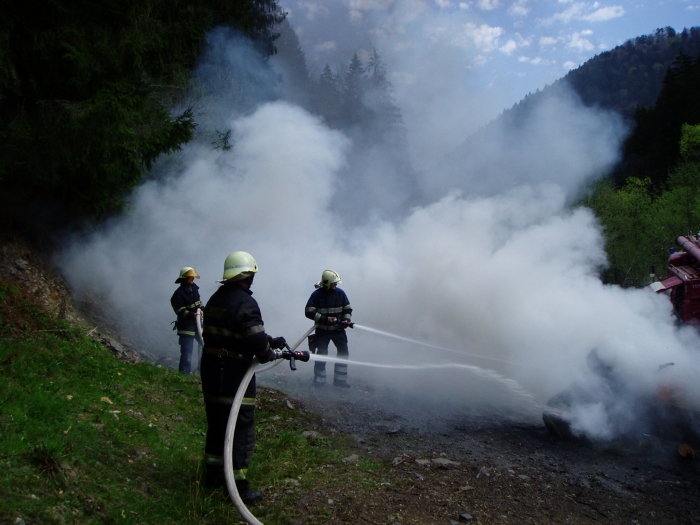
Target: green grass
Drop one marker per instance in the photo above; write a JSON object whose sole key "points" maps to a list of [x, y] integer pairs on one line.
{"points": [[86, 438]]}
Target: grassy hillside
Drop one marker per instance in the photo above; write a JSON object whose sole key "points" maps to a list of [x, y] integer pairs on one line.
{"points": [[86, 438]]}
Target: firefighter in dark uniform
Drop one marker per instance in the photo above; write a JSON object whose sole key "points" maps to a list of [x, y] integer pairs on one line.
{"points": [[233, 334], [186, 304], [329, 307]]}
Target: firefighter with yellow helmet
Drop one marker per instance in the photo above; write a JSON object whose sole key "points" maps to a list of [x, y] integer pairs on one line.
{"points": [[233, 334], [186, 303], [330, 309]]}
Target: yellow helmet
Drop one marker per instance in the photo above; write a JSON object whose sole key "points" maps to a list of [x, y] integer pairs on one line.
{"points": [[186, 272], [239, 266], [327, 278]]}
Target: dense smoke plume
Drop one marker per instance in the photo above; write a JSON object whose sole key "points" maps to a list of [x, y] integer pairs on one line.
{"points": [[509, 275]]}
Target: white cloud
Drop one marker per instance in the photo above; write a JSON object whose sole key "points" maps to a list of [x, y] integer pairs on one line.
{"points": [[519, 8], [578, 42], [484, 37], [514, 43], [313, 9], [565, 16], [536, 61], [480, 60], [569, 65], [356, 17], [330, 45], [508, 47], [487, 5], [604, 13], [357, 8], [586, 13], [464, 6], [547, 41], [367, 5], [443, 4]]}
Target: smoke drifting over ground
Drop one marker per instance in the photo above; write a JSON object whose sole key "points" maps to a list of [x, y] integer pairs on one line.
{"points": [[511, 276]]}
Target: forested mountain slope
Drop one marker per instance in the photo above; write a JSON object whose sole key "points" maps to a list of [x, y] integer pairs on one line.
{"points": [[87, 90], [617, 82], [624, 78]]}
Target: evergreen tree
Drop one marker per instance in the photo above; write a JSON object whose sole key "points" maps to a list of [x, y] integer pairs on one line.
{"points": [[290, 63], [353, 89], [86, 87], [652, 148], [327, 100]]}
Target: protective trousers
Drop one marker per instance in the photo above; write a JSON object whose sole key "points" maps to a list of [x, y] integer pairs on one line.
{"points": [[186, 347], [340, 340], [221, 377]]}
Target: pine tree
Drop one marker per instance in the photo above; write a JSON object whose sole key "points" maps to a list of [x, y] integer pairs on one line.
{"points": [[86, 87], [652, 149]]}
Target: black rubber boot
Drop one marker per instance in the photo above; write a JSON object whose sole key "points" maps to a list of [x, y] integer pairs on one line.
{"points": [[247, 495], [214, 478], [341, 384], [250, 497]]}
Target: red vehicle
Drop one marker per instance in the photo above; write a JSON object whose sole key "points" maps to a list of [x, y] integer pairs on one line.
{"points": [[683, 280]]}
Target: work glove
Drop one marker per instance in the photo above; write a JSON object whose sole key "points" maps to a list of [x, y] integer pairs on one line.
{"points": [[330, 320], [277, 342], [266, 356]]}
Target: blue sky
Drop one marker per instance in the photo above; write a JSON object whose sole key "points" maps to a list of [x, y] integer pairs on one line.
{"points": [[455, 65]]}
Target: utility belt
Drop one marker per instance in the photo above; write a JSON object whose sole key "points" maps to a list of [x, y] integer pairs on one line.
{"points": [[229, 354]]}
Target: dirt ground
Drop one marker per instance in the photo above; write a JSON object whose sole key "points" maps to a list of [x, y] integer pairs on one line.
{"points": [[483, 468]]}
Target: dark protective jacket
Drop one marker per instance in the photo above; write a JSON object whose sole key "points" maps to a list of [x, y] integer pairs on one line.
{"points": [[232, 320], [325, 303], [185, 302], [233, 333]]}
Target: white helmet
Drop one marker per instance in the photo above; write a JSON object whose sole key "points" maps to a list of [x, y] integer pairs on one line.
{"points": [[327, 278], [239, 266], [186, 272]]}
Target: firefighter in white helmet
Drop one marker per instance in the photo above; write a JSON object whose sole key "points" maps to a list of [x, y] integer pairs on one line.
{"points": [[330, 308], [233, 333], [185, 302]]}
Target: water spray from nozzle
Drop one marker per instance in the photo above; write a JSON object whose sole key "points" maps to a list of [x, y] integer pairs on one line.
{"points": [[444, 349], [510, 384]]}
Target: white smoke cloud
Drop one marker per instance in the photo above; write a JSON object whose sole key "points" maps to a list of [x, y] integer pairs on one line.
{"points": [[509, 275], [558, 141]]}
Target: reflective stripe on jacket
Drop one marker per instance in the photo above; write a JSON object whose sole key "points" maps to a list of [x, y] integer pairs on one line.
{"points": [[185, 301], [325, 303]]}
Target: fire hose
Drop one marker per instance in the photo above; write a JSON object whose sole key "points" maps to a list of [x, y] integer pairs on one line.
{"points": [[198, 338], [291, 354]]}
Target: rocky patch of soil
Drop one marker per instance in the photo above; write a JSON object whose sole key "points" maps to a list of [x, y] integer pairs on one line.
{"points": [[37, 283], [486, 468]]}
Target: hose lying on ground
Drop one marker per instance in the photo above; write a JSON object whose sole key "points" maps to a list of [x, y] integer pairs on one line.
{"points": [[231, 428]]}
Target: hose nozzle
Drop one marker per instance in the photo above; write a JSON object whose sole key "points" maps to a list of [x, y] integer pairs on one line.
{"points": [[293, 355]]}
